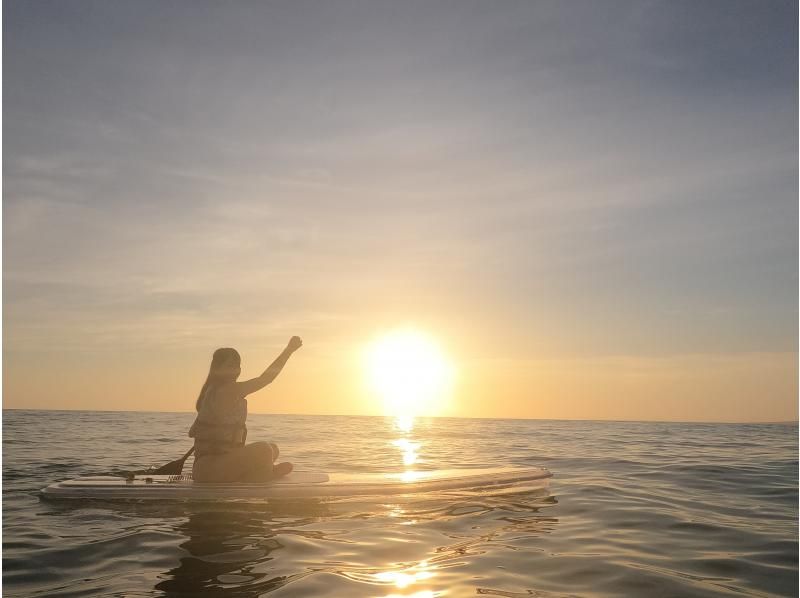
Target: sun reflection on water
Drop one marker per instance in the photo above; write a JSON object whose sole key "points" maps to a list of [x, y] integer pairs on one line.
{"points": [[410, 476], [420, 594], [409, 450], [403, 579], [404, 423]]}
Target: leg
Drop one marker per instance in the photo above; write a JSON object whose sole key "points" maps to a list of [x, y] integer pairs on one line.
{"points": [[264, 467], [251, 463], [259, 464], [279, 469]]}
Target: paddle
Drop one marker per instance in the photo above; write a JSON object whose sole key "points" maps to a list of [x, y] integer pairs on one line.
{"points": [[173, 467]]}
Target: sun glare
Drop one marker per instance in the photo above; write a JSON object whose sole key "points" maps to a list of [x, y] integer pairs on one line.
{"points": [[410, 374]]}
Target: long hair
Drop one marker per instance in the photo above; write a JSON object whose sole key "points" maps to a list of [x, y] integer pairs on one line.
{"points": [[220, 356]]}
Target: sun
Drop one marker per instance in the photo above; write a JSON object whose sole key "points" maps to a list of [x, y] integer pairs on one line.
{"points": [[409, 372]]}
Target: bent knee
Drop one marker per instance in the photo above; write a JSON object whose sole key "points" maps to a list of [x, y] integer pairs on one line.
{"points": [[262, 449]]}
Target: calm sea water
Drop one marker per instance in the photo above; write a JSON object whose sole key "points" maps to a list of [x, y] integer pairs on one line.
{"points": [[635, 509]]}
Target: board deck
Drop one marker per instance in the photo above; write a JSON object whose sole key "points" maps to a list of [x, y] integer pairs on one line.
{"points": [[298, 484]]}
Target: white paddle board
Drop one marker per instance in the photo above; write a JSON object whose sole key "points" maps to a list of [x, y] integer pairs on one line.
{"points": [[299, 484]]}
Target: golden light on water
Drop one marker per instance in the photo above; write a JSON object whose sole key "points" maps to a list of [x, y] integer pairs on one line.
{"points": [[408, 371], [403, 579], [408, 449], [409, 577], [404, 423], [410, 476]]}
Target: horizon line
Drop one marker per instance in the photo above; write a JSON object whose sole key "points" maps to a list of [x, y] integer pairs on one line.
{"points": [[646, 421]]}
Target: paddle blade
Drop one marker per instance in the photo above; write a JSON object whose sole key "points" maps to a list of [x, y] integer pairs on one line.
{"points": [[173, 467]]}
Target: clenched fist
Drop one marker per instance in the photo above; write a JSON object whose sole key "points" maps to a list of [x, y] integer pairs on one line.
{"points": [[294, 343]]}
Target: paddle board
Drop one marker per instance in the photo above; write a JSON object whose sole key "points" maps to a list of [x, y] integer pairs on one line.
{"points": [[298, 484]]}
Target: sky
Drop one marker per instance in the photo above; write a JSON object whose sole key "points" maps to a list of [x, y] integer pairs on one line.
{"points": [[591, 206]]}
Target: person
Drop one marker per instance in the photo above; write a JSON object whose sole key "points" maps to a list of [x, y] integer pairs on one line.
{"points": [[219, 430]]}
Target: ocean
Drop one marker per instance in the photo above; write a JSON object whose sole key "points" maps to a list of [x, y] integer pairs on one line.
{"points": [[633, 509]]}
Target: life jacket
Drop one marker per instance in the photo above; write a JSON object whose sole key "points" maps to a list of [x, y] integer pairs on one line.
{"points": [[219, 426]]}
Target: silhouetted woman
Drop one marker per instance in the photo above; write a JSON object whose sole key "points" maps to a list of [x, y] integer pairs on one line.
{"points": [[219, 430]]}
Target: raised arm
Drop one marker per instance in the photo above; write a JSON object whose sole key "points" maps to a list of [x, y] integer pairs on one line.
{"points": [[250, 386]]}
